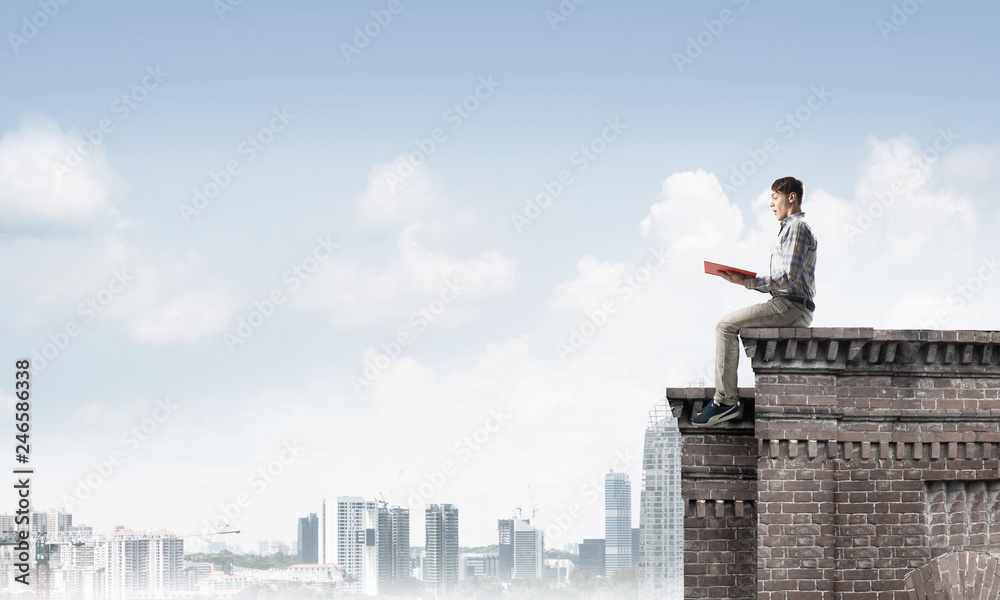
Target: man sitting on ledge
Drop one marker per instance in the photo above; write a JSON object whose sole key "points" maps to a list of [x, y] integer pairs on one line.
{"points": [[792, 285]]}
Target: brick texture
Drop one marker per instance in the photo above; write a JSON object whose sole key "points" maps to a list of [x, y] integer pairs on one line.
{"points": [[866, 456], [718, 473]]}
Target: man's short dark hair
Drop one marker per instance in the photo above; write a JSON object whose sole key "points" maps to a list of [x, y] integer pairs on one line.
{"points": [[787, 185]]}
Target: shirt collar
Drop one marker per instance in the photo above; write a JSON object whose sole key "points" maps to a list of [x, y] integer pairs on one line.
{"points": [[794, 217]]}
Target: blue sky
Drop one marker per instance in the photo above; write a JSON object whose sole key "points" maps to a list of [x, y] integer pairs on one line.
{"points": [[875, 100]]}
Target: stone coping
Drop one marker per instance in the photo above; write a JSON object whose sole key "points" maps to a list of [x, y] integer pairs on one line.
{"points": [[855, 350]]}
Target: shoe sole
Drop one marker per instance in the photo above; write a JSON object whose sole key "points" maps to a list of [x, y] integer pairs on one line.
{"points": [[720, 418]]}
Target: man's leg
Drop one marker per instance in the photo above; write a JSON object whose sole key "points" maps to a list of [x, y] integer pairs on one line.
{"points": [[776, 312]]}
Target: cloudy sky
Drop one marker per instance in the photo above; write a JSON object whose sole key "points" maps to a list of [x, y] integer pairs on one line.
{"points": [[264, 253]]}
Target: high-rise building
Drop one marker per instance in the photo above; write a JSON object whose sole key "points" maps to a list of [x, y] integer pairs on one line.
{"points": [[505, 561], [56, 521], [39, 522], [357, 544], [393, 549], [617, 522], [166, 564], [441, 561], [592, 557], [324, 557], [661, 509], [635, 546], [528, 549], [142, 566], [308, 539]]}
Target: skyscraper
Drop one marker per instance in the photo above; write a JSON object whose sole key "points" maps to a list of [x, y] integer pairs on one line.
{"points": [[505, 528], [661, 509], [617, 522], [308, 539], [527, 550], [357, 543], [323, 560], [635, 546], [441, 561], [393, 549], [592, 557]]}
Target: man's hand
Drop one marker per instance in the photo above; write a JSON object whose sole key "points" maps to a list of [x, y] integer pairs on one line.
{"points": [[733, 277]]}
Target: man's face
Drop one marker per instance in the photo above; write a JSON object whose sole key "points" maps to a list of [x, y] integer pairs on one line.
{"points": [[781, 205]]}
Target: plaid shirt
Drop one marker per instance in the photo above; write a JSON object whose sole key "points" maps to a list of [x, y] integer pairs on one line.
{"points": [[793, 262]]}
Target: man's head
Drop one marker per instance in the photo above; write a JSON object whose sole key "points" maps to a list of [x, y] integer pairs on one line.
{"points": [[786, 197]]}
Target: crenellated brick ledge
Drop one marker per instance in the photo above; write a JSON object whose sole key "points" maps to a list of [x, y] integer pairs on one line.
{"points": [[819, 350], [719, 509]]}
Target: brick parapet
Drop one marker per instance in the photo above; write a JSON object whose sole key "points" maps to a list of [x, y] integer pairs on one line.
{"points": [[872, 351], [719, 488], [862, 456], [878, 451]]}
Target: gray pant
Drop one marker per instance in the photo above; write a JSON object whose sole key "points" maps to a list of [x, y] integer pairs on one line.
{"points": [[776, 312]]}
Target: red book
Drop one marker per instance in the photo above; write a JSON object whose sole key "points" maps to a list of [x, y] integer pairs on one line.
{"points": [[716, 269]]}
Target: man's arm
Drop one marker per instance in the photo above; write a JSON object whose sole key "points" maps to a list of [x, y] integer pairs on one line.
{"points": [[791, 261]]}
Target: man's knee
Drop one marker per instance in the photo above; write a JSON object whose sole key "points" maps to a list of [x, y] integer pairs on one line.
{"points": [[726, 326]]}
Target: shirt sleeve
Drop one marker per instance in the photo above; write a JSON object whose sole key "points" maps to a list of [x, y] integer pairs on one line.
{"points": [[790, 262]]}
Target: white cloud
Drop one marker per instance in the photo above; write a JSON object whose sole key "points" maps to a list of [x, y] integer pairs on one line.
{"points": [[188, 317], [973, 162], [353, 295], [397, 194], [694, 213], [594, 283], [175, 301], [32, 191]]}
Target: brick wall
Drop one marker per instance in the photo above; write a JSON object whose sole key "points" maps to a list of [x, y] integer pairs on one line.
{"points": [[877, 454], [719, 487]]}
